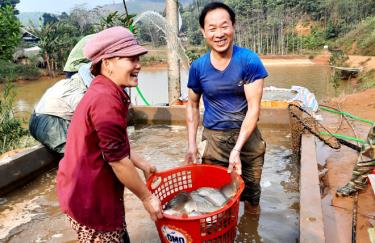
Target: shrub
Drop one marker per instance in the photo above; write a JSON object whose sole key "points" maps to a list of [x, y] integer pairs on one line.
{"points": [[12, 71], [11, 130]]}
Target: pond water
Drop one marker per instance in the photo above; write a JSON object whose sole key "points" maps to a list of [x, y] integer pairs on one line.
{"points": [[31, 214], [153, 84]]}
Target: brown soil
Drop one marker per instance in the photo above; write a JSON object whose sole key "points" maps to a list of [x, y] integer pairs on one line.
{"points": [[360, 104]]}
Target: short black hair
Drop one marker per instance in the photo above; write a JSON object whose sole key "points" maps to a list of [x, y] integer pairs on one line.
{"points": [[215, 5]]}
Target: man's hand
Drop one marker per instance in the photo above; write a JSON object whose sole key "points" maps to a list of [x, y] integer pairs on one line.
{"points": [[192, 156], [153, 207], [235, 162]]}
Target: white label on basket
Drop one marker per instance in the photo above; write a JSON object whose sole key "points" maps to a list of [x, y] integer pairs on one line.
{"points": [[173, 235]]}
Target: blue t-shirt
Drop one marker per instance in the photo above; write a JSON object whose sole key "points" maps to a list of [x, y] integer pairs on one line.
{"points": [[223, 91]]}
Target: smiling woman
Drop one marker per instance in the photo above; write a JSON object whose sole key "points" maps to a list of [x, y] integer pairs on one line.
{"points": [[97, 155]]}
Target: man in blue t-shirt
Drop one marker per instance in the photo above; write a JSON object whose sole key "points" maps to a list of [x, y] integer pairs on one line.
{"points": [[230, 79]]}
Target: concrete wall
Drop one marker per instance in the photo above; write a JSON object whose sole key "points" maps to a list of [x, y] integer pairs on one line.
{"points": [[25, 166], [311, 214], [175, 115]]}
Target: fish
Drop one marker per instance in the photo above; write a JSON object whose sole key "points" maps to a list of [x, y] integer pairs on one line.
{"points": [[201, 201], [199, 204], [229, 190], [213, 195], [173, 212], [178, 201]]}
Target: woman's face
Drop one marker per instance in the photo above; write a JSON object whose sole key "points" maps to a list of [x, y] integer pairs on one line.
{"points": [[124, 70]]}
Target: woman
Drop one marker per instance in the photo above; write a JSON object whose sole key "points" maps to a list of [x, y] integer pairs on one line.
{"points": [[98, 161]]}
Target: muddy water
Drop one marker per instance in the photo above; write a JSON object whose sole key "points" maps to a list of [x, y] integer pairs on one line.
{"points": [[153, 84], [31, 214]]}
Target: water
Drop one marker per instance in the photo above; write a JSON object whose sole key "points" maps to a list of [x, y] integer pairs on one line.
{"points": [[32, 213], [161, 23], [153, 84]]}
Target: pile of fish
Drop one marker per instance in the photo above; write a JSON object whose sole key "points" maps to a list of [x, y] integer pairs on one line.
{"points": [[201, 201]]}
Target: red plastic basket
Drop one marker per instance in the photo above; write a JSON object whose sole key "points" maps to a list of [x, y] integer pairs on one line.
{"points": [[218, 226]]}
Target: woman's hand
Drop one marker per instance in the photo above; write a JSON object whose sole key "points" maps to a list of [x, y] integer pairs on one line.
{"points": [[235, 162], [149, 170], [153, 207]]}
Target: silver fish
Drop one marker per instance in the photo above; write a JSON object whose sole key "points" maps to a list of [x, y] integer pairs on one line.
{"points": [[173, 212], [199, 204], [213, 195], [178, 202], [229, 190]]}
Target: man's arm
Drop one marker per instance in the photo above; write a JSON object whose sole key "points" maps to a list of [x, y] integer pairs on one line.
{"points": [[128, 175], [253, 92], [192, 121]]}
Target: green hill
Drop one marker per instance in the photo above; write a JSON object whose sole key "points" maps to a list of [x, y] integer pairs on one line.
{"points": [[361, 40]]}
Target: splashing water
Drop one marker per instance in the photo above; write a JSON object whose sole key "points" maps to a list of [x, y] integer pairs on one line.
{"points": [[160, 22]]}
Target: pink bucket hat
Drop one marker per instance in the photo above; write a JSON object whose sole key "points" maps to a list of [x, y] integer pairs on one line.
{"points": [[112, 42]]}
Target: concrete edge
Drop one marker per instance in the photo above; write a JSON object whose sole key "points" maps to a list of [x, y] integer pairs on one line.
{"points": [[311, 213], [25, 166], [175, 115]]}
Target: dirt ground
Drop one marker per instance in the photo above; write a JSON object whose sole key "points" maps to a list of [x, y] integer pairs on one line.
{"points": [[338, 211]]}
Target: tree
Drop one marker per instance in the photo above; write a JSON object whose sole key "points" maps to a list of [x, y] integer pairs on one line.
{"points": [[56, 41], [12, 3], [49, 18], [9, 32]]}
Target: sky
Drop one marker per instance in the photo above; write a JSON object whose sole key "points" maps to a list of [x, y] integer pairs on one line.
{"points": [[58, 6]]}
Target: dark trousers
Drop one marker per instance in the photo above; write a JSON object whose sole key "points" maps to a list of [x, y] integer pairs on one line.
{"points": [[51, 131], [219, 145]]}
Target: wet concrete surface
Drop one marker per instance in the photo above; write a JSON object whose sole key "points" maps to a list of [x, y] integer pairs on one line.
{"points": [[32, 214], [338, 211]]}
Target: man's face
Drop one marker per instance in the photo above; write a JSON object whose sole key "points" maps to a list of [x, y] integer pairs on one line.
{"points": [[218, 30]]}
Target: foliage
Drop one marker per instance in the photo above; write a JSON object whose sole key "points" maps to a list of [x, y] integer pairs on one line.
{"points": [[11, 130], [116, 19], [367, 79], [12, 71], [49, 18], [361, 40], [12, 3], [338, 58], [56, 41], [9, 32]]}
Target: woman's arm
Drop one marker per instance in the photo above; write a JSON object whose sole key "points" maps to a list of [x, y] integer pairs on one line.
{"points": [[125, 171]]}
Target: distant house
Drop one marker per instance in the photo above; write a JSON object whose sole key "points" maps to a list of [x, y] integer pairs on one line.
{"points": [[28, 37]]}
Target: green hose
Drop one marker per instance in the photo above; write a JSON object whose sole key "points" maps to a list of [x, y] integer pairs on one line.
{"points": [[132, 29], [343, 137], [347, 114], [142, 97]]}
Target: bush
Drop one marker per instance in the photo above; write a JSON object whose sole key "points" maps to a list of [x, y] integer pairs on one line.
{"points": [[12, 71], [11, 130], [367, 79]]}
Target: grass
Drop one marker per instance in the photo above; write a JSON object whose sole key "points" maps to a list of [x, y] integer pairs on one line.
{"points": [[367, 80]]}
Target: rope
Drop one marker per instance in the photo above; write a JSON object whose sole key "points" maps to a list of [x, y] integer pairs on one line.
{"points": [[336, 135], [325, 108]]}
